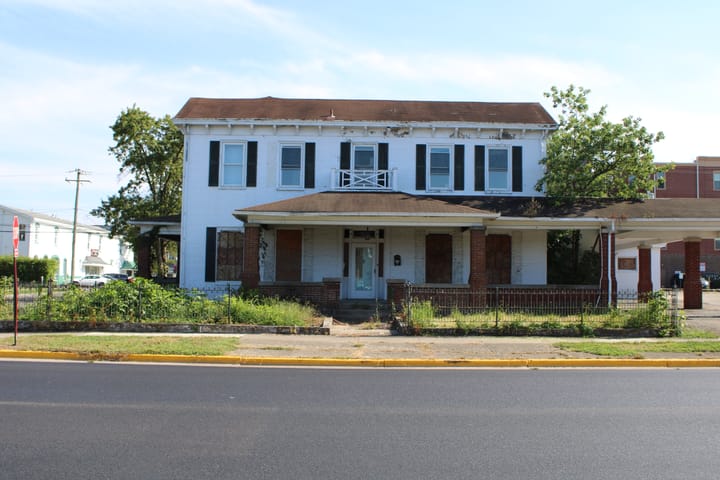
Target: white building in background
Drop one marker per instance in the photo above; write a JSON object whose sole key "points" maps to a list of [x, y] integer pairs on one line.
{"points": [[44, 236]]}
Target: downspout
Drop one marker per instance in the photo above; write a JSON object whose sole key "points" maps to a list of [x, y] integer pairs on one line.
{"points": [[697, 179]]}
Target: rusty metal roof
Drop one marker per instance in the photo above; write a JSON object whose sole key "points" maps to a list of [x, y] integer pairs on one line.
{"points": [[271, 108]]}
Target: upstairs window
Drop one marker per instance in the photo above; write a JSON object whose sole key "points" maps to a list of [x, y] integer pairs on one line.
{"points": [[498, 171], [716, 180], [439, 168], [364, 157], [233, 162], [291, 161]]}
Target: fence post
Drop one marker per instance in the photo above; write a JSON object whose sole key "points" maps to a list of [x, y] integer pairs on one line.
{"points": [[408, 305], [674, 312], [139, 304], [497, 307], [229, 310], [48, 310]]}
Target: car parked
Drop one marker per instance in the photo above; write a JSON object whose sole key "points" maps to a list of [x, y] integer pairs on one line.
{"points": [[119, 276], [92, 281], [100, 280], [705, 280]]}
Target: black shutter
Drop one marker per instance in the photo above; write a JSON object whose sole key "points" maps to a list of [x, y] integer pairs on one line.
{"points": [[344, 163], [214, 176], [517, 180], [345, 156], [382, 156], [479, 168], [420, 161], [252, 165], [459, 181], [210, 248], [383, 164], [309, 165]]}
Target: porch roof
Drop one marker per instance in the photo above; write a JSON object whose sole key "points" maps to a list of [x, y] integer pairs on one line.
{"points": [[650, 221], [364, 208]]}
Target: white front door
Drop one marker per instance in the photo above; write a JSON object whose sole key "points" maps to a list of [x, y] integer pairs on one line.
{"points": [[362, 270]]}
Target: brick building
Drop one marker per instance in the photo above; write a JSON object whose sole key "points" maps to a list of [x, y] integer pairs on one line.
{"points": [[700, 179]]}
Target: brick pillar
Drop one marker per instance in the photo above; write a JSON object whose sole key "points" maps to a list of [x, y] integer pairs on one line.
{"points": [[478, 265], [251, 256], [331, 294], [142, 257], [607, 247], [644, 272], [692, 290], [396, 293]]}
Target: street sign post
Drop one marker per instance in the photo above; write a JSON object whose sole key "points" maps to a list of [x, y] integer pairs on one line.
{"points": [[16, 241]]}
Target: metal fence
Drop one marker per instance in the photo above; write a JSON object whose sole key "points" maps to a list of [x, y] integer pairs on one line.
{"points": [[538, 307], [133, 303]]}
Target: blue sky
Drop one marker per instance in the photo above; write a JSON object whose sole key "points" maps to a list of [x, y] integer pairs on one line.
{"points": [[69, 67]]}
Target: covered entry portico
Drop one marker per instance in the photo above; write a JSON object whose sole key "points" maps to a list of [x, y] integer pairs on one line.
{"points": [[355, 244]]}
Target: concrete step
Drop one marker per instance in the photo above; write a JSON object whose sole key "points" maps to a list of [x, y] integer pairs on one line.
{"points": [[361, 311]]}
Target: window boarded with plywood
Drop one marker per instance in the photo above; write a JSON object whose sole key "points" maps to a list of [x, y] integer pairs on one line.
{"points": [[438, 258], [288, 255], [229, 255], [498, 257]]}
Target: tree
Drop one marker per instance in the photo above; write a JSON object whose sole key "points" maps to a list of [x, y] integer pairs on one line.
{"points": [[590, 156], [150, 152]]}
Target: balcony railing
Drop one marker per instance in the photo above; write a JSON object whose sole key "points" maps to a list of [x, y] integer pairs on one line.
{"points": [[364, 179]]}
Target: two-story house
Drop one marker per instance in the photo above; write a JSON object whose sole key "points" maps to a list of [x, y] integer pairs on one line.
{"points": [[343, 199], [45, 236]]}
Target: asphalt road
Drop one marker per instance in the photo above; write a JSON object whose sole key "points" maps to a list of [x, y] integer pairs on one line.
{"points": [[120, 421]]}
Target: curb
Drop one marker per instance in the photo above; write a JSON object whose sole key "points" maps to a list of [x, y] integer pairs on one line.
{"points": [[368, 362]]}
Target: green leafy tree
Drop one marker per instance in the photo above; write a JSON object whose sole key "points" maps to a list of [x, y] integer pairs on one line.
{"points": [[590, 156], [150, 153]]}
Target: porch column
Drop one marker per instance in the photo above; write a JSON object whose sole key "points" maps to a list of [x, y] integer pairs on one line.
{"points": [[607, 268], [478, 265], [251, 256], [692, 290], [142, 259], [644, 272]]}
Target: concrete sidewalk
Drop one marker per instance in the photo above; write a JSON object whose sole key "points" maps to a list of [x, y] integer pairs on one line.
{"points": [[358, 346], [361, 345]]}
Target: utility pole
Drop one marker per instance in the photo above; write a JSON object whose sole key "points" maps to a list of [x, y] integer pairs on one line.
{"points": [[77, 181]]}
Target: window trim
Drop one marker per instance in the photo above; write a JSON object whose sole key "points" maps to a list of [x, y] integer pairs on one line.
{"points": [[716, 182], [301, 180], [661, 180], [716, 243], [508, 168], [242, 165], [428, 169]]}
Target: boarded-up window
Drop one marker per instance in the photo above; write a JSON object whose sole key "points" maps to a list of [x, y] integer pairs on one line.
{"points": [[229, 255], [438, 258], [627, 263], [498, 255], [288, 255]]}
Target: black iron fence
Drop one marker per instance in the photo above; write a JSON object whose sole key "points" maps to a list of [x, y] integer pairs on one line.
{"points": [[532, 308], [145, 301]]}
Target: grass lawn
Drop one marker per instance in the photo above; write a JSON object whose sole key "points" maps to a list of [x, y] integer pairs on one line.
{"points": [[637, 349], [125, 344]]}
